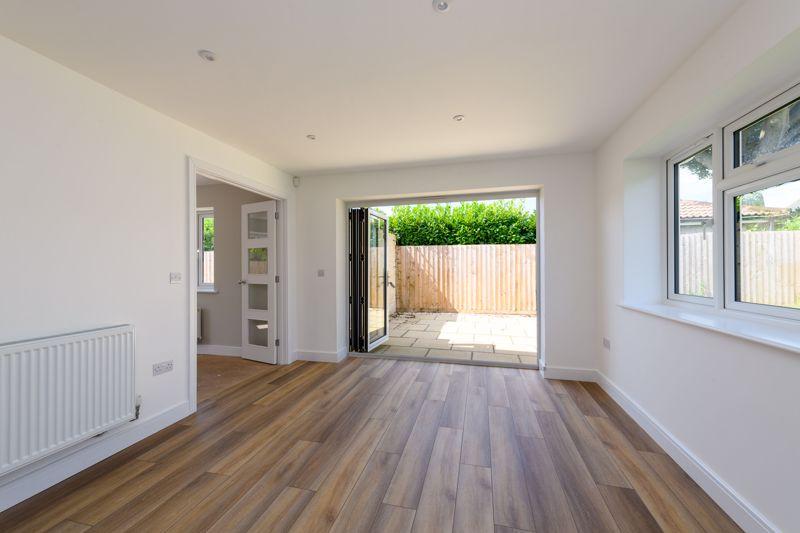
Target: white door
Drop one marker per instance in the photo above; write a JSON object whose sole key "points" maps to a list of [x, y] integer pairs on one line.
{"points": [[258, 282]]}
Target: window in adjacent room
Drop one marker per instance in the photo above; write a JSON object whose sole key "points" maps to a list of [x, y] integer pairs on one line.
{"points": [[205, 249]]}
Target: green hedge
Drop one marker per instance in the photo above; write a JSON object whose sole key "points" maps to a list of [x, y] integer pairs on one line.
{"points": [[500, 222]]}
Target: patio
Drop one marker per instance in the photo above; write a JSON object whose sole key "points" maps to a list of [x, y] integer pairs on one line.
{"points": [[486, 338]]}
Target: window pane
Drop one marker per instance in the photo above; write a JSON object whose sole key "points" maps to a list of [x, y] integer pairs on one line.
{"points": [[257, 260], [257, 225], [258, 332], [767, 226], [694, 239], [377, 278], [257, 296], [773, 133], [208, 250]]}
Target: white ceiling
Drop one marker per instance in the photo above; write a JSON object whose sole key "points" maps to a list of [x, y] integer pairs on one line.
{"points": [[377, 81]]}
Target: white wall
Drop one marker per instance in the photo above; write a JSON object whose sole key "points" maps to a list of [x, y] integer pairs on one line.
{"points": [[93, 203], [566, 221], [729, 402], [222, 309]]}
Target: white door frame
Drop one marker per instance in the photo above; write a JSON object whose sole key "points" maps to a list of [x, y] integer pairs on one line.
{"points": [[195, 167], [491, 194]]}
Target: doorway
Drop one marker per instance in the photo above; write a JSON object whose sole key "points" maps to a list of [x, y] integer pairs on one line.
{"points": [[452, 279], [237, 263]]}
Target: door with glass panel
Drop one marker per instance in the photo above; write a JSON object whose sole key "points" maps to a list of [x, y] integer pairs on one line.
{"points": [[258, 282], [368, 279]]}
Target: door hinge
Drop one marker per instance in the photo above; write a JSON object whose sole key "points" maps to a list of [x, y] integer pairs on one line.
{"points": [[277, 279], [277, 342], [350, 299], [276, 215]]}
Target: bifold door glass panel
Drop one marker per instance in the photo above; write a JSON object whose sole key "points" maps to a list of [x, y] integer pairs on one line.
{"points": [[257, 260], [257, 296], [257, 224], [258, 332], [377, 278], [767, 234], [694, 225], [775, 132]]}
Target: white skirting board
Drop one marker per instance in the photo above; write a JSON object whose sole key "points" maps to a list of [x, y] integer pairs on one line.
{"points": [[320, 356], [24, 483], [739, 509], [570, 373], [217, 349]]}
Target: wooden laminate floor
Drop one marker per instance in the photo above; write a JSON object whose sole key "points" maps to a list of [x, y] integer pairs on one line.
{"points": [[383, 445], [216, 373]]}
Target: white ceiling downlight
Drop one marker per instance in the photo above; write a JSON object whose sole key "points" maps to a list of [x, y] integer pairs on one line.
{"points": [[441, 6], [207, 55]]}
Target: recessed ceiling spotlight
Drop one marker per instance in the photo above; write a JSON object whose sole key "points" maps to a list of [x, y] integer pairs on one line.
{"points": [[207, 55], [458, 118], [441, 6], [311, 137]]}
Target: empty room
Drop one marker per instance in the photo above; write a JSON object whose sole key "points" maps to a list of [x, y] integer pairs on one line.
{"points": [[420, 266]]}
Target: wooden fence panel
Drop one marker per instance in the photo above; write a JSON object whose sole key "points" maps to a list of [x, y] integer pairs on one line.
{"points": [[486, 278], [770, 266]]}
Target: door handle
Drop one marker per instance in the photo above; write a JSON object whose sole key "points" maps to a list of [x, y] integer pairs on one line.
{"points": [[242, 282]]}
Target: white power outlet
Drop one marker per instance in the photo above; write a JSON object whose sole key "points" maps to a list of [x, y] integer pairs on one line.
{"points": [[606, 343], [162, 368]]}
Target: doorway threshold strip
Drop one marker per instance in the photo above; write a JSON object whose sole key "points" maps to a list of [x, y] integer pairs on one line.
{"points": [[434, 359]]}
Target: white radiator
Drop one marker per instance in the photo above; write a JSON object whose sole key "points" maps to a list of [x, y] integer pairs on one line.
{"points": [[57, 391]]}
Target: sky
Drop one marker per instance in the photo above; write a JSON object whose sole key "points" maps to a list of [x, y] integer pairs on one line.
{"points": [[529, 204], [693, 188]]}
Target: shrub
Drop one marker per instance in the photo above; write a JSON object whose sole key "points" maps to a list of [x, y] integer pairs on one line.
{"points": [[500, 222]]}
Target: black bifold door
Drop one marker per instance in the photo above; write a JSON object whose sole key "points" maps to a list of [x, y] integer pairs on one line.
{"points": [[367, 255]]}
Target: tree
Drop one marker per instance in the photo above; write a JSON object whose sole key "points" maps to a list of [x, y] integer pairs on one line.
{"points": [[500, 222], [699, 164], [753, 198], [793, 223], [208, 234]]}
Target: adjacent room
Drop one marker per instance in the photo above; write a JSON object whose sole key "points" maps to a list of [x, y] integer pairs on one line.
{"points": [[422, 266], [237, 269]]}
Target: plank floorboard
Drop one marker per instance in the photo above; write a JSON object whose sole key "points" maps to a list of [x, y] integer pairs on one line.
{"points": [[510, 494], [437, 504], [409, 476], [474, 512]]}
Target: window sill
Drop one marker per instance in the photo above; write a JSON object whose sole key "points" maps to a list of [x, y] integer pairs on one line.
{"points": [[771, 332], [207, 291]]}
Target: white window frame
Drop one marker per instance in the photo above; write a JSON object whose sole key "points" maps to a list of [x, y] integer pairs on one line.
{"points": [[712, 139], [729, 181], [204, 212], [730, 247], [768, 164]]}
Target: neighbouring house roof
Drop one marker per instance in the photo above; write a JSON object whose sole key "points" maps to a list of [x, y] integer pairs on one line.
{"points": [[698, 210]]}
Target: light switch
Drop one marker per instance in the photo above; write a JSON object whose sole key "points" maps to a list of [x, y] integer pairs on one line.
{"points": [[175, 277]]}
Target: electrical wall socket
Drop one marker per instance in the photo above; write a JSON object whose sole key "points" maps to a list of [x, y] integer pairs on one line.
{"points": [[163, 367], [606, 343]]}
